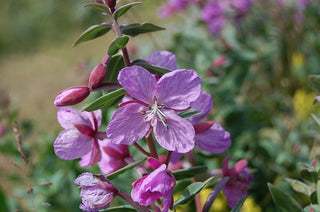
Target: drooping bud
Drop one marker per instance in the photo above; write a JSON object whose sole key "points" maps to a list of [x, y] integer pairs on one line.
{"points": [[97, 76], [111, 4], [71, 96]]}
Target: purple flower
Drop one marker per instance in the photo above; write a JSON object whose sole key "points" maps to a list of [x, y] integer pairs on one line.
{"points": [[95, 193], [155, 107], [157, 184], [79, 137], [113, 157], [213, 15], [237, 186], [242, 6], [163, 59], [173, 6]]}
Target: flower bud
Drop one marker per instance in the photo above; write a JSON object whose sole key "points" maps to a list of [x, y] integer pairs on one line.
{"points": [[71, 96], [97, 76], [219, 61], [111, 4], [98, 1]]}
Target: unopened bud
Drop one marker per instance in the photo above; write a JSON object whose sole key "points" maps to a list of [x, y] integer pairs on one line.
{"points": [[71, 96], [97, 76], [219, 61], [111, 4]]}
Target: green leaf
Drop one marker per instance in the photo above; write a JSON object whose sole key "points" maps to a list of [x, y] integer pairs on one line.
{"points": [[189, 193], [99, 7], [117, 44], [106, 100], [123, 9], [283, 201], [309, 175], [121, 208], [151, 68], [189, 113], [299, 186], [126, 168], [93, 32], [136, 28], [190, 172], [214, 193], [115, 64], [316, 208], [316, 118], [239, 204], [315, 82], [318, 192]]}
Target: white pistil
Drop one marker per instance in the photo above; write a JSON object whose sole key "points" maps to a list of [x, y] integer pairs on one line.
{"points": [[154, 112]]}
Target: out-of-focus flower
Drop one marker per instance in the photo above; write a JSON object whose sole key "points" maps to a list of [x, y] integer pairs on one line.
{"points": [[238, 184], [213, 15], [219, 61], [250, 206], [96, 194], [241, 6], [302, 104], [157, 184], [97, 76], [79, 137], [173, 6], [155, 107], [219, 205], [113, 156], [71, 96], [298, 60]]}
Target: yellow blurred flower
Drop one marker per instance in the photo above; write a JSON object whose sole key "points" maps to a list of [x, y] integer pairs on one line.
{"points": [[250, 206], [297, 60], [302, 102]]}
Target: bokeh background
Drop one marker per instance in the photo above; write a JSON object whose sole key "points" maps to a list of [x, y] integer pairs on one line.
{"points": [[261, 90]]}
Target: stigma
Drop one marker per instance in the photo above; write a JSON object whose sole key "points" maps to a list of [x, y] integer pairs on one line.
{"points": [[154, 114]]}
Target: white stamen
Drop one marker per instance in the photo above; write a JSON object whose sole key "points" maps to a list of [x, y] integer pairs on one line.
{"points": [[155, 113]]}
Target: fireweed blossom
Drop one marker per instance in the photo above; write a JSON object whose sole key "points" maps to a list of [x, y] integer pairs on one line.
{"points": [[238, 184], [173, 6], [78, 140], [96, 194], [155, 107], [157, 184]]}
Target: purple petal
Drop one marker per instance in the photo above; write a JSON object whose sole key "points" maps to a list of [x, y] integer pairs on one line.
{"points": [[139, 83], [94, 117], [154, 163], [96, 197], [92, 157], [215, 140], [85, 160], [127, 124], [164, 59], [179, 136], [86, 179], [68, 117], [177, 89], [175, 157], [216, 25], [70, 144], [233, 194], [203, 104]]}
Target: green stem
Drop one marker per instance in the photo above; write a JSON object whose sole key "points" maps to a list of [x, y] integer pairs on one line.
{"points": [[125, 53], [128, 198]]}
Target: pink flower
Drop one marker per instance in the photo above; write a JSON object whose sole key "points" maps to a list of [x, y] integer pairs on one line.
{"points": [[79, 137], [71, 96], [157, 184], [155, 107], [172, 7], [237, 186], [213, 15], [96, 193]]}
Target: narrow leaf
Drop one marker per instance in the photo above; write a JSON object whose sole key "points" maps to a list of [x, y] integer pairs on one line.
{"points": [[115, 64], [190, 172], [106, 100], [99, 7], [214, 193], [315, 82], [126, 168], [123, 9], [93, 32], [299, 186], [283, 201], [189, 193], [239, 204], [121, 208], [117, 44], [309, 175], [316, 118], [136, 28], [189, 113], [151, 68]]}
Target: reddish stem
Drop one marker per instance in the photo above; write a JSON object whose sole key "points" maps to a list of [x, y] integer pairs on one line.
{"points": [[141, 149], [152, 147]]}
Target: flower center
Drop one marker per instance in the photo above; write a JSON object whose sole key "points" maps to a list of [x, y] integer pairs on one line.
{"points": [[154, 113]]}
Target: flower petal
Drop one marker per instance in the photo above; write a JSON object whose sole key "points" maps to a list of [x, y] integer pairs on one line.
{"points": [[94, 117], [127, 124], [215, 140], [96, 197], [139, 83], [92, 157], [86, 179], [177, 89], [68, 117], [164, 59], [203, 104], [233, 194], [70, 144], [179, 136]]}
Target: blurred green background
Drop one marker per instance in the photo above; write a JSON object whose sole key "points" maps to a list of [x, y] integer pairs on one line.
{"points": [[261, 93]]}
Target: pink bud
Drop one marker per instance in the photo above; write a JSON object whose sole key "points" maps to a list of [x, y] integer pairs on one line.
{"points": [[71, 96], [111, 4], [219, 61], [97, 76]]}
